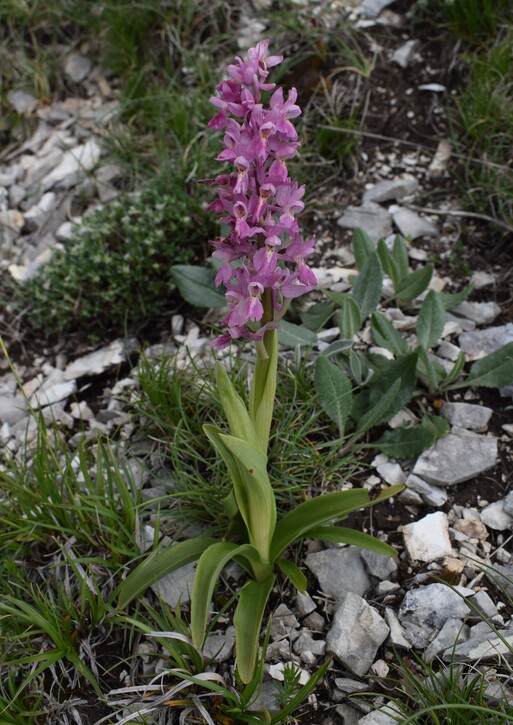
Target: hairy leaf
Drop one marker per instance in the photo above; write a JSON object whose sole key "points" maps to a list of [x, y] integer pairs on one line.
{"points": [[334, 390], [291, 335], [363, 247], [431, 320], [414, 284], [385, 335], [367, 288], [196, 285]]}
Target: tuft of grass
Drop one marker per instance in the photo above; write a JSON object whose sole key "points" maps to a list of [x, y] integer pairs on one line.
{"points": [[482, 125], [174, 403]]}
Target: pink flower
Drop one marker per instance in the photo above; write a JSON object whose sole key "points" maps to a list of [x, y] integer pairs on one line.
{"points": [[257, 200]]}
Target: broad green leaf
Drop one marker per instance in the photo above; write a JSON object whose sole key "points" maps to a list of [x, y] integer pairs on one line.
{"points": [[336, 347], [368, 286], [438, 425], [455, 371], [352, 537], [492, 371], [196, 285], [410, 442], [258, 496], [208, 570], [247, 620], [385, 335], [239, 421], [380, 411], [293, 572], [363, 247], [321, 510], [403, 369], [414, 284], [215, 437], [158, 564], [336, 297], [316, 316], [400, 255], [300, 696], [450, 300], [291, 335], [404, 442], [431, 320], [262, 394], [349, 317], [430, 373], [334, 390], [358, 367], [388, 262]]}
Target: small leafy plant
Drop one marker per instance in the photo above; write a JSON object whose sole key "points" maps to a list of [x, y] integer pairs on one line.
{"points": [[359, 390], [115, 269], [258, 203]]}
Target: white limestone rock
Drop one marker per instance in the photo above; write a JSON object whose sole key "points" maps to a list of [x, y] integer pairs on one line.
{"points": [[496, 517], [467, 415], [95, 363], [482, 313], [484, 647], [428, 539], [391, 189], [411, 224], [457, 457], [356, 633], [339, 571], [483, 342], [77, 67], [370, 217]]}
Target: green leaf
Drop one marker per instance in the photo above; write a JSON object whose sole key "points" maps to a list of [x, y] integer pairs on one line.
{"points": [[334, 390], [400, 255], [301, 695], [262, 393], [257, 498], [438, 425], [368, 286], [455, 371], [293, 572], [247, 620], [238, 417], [431, 374], [349, 317], [385, 335], [196, 285], [215, 437], [341, 535], [363, 247], [403, 369], [380, 411], [321, 510], [410, 442], [414, 284], [158, 564], [336, 347], [359, 368], [291, 335], [208, 570], [450, 300], [405, 442], [316, 316], [492, 371], [388, 262], [431, 320]]}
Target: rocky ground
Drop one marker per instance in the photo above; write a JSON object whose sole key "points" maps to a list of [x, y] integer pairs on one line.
{"points": [[455, 516]]}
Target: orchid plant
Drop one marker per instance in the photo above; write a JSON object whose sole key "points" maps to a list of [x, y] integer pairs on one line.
{"points": [[262, 268]]}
